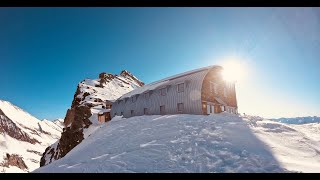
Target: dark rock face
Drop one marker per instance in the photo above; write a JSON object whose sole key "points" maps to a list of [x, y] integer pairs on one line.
{"points": [[14, 160], [69, 117], [51, 153], [9, 127], [76, 119], [76, 101]]}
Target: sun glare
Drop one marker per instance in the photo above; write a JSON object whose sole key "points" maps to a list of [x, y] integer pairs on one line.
{"points": [[233, 70]]}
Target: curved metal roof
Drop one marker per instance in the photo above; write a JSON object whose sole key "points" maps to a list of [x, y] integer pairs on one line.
{"points": [[164, 82]]}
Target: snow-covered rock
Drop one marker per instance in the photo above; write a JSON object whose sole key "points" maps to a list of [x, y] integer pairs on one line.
{"points": [[81, 119], [23, 138], [194, 143]]}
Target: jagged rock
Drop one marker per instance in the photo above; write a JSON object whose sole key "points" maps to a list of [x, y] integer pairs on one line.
{"points": [[14, 160], [77, 117], [126, 73], [69, 117]]}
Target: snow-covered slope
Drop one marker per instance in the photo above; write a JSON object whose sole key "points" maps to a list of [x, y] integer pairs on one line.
{"points": [[91, 98], [194, 143], [24, 138]]}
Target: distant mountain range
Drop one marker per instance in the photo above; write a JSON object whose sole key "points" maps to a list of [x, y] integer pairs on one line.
{"points": [[23, 138], [298, 120]]}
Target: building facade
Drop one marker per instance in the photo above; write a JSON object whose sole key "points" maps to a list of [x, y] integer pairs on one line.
{"points": [[202, 91]]}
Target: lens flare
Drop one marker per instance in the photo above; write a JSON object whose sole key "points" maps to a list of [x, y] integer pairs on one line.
{"points": [[234, 70]]}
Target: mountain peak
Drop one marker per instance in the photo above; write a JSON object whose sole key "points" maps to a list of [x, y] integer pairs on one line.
{"points": [[91, 98], [127, 74]]}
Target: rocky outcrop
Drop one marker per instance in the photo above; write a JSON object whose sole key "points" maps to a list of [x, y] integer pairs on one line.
{"points": [[127, 74], [69, 117], [104, 78], [14, 160], [89, 94]]}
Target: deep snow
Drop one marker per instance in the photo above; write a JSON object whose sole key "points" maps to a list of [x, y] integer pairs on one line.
{"points": [[194, 143]]}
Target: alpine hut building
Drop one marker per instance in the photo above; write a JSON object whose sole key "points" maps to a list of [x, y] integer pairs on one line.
{"points": [[202, 92]]}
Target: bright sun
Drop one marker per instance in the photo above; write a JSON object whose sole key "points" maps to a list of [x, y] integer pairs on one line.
{"points": [[233, 70]]}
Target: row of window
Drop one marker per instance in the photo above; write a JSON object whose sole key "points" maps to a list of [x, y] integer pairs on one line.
{"points": [[180, 109], [163, 92], [180, 88]]}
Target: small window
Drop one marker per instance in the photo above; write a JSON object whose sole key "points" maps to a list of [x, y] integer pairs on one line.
{"points": [[180, 107], [163, 91], [162, 109], [133, 98], [145, 111], [181, 87], [132, 112]]}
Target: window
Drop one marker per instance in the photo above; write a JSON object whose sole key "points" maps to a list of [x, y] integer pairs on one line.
{"points": [[210, 109], [163, 91], [145, 111], [162, 109], [132, 112], [181, 87], [180, 107], [133, 98]]}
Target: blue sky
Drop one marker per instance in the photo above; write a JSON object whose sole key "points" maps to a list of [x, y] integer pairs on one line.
{"points": [[45, 52]]}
